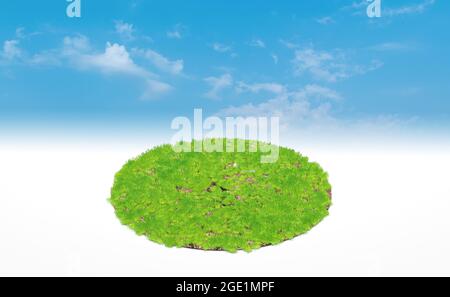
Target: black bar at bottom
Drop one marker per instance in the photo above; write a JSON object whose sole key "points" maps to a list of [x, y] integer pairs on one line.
{"points": [[225, 286]]}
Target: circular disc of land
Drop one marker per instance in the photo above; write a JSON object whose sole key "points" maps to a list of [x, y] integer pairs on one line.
{"points": [[220, 201]]}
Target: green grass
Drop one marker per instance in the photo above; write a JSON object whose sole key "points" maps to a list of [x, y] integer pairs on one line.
{"points": [[220, 201]]}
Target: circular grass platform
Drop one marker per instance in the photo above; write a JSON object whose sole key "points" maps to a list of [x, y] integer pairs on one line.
{"points": [[220, 201]]}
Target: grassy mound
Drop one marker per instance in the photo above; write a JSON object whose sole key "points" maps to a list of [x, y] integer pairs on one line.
{"points": [[220, 201]]}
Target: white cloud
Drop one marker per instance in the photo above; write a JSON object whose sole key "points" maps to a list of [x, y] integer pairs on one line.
{"points": [[289, 44], [260, 87], [319, 64], [257, 43], [72, 50], [155, 89], [311, 109], [359, 8], [76, 52], [11, 50], [356, 5], [326, 21], [177, 32], [391, 46], [275, 58], [75, 45], [114, 60], [298, 107], [273, 107], [125, 31], [174, 35], [45, 58], [318, 92], [218, 84], [221, 48], [409, 9], [328, 66], [162, 63], [20, 33]]}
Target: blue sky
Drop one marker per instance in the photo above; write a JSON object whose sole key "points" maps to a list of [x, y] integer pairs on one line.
{"points": [[308, 61]]}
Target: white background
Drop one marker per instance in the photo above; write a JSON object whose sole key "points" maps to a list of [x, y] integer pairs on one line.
{"points": [[391, 215]]}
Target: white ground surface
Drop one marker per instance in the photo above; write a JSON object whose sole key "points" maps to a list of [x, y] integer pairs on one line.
{"points": [[391, 216]]}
